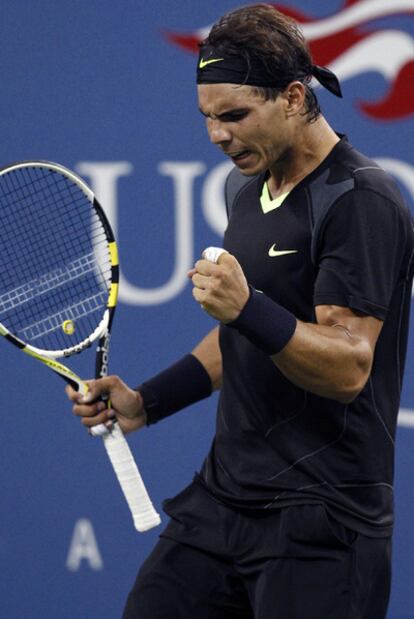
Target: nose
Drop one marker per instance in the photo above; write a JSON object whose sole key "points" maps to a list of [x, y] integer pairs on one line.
{"points": [[217, 131]]}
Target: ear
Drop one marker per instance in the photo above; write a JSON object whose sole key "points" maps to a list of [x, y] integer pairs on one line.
{"points": [[295, 98]]}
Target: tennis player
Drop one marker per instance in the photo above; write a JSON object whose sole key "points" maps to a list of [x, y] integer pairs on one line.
{"points": [[292, 512]]}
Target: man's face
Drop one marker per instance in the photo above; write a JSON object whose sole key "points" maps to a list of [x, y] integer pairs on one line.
{"points": [[256, 134]]}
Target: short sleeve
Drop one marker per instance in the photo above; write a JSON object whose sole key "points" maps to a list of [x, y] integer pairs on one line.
{"points": [[360, 250]]}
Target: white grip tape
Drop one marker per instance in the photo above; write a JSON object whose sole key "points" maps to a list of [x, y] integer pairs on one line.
{"points": [[144, 515], [213, 253], [99, 430]]}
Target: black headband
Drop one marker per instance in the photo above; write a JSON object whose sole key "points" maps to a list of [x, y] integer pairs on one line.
{"points": [[216, 68]]}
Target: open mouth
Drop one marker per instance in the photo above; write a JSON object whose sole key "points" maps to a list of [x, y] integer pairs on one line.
{"points": [[239, 156]]}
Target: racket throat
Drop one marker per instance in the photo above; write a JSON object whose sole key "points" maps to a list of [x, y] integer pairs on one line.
{"points": [[64, 372], [102, 356]]}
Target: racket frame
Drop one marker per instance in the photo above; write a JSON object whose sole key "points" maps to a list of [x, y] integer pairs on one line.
{"points": [[144, 515]]}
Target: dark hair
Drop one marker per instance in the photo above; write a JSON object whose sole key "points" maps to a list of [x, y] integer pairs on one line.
{"points": [[263, 33]]}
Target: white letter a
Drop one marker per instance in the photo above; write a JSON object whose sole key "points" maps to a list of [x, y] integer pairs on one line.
{"points": [[83, 546]]}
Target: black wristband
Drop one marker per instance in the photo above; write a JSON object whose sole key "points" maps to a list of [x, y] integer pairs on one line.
{"points": [[268, 325], [183, 383]]}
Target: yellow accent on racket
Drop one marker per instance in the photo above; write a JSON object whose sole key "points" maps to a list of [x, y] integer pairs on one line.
{"points": [[113, 295], [113, 251]]}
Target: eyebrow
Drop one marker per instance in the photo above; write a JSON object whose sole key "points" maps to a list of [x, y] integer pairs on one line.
{"points": [[231, 112]]}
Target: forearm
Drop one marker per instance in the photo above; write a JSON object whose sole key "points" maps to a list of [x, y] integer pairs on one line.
{"points": [[191, 379], [332, 358], [187, 381], [326, 360], [209, 355]]}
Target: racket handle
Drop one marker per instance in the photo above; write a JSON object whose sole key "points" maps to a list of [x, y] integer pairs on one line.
{"points": [[143, 513]]}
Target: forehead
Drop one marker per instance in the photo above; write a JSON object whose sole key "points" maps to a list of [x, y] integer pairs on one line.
{"points": [[217, 98]]}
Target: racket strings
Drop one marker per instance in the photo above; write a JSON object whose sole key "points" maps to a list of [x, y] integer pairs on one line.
{"points": [[47, 282], [55, 262], [55, 321], [47, 214]]}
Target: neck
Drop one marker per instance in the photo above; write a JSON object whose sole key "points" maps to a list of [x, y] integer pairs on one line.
{"points": [[312, 144]]}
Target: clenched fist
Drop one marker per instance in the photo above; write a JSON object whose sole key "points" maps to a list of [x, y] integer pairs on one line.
{"points": [[220, 288]]}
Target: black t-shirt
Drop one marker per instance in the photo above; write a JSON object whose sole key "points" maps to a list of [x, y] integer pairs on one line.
{"points": [[276, 444]]}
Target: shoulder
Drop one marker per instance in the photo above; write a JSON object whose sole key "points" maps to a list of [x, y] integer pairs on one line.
{"points": [[372, 192], [357, 208], [368, 175], [347, 169], [357, 184]]}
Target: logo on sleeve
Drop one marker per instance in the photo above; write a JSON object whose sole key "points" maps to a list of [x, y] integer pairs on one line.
{"points": [[275, 253]]}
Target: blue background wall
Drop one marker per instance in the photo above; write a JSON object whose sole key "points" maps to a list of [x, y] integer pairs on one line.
{"points": [[99, 87]]}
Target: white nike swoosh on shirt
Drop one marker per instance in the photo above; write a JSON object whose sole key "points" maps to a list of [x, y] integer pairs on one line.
{"points": [[274, 253]]}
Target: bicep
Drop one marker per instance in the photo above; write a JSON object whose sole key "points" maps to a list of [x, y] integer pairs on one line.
{"points": [[356, 326], [334, 357]]}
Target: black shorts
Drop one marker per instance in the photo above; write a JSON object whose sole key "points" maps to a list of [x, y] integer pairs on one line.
{"points": [[297, 562]]}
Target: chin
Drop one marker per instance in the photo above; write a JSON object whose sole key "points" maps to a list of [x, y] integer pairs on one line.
{"points": [[253, 169], [248, 172]]}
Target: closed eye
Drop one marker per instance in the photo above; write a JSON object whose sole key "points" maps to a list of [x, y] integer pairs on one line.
{"points": [[233, 117]]}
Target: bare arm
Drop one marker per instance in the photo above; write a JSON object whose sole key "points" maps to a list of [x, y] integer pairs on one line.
{"points": [[332, 358], [208, 353]]}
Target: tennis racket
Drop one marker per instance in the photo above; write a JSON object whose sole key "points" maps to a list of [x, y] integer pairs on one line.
{"points": [[58, 289]]}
